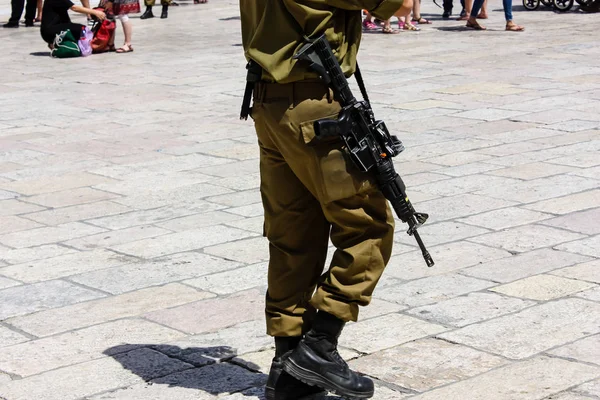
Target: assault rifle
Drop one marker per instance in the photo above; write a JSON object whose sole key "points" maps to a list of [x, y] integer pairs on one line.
{"points": [[368, 141]]}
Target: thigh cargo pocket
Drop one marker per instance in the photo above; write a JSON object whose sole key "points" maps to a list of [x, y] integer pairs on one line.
{"points": [[339, 177]]}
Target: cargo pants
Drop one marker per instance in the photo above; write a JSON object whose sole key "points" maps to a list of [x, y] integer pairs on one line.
{"points": [[312, 193]]}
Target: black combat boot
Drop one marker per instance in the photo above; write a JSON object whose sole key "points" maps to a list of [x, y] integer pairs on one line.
{"points": [[165, 11], [280, 385], [148, 13], [316, 361]]}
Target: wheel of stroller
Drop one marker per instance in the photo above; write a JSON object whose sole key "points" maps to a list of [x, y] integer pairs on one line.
{"points": [[548, 3], [531, 4], [563, 5]]}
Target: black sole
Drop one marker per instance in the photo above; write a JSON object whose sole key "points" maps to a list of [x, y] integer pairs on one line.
{"points": [[271, 395], [312, 379]]}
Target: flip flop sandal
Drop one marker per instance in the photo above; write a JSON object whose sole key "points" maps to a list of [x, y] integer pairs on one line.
{"points": [[422, 21], [476, 26], [369, 26], [122, 50], [411, 27], [515, 28], [389, 31]]}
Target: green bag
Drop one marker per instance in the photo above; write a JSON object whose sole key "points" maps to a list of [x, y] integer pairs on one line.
{"points": [[65, 45]]}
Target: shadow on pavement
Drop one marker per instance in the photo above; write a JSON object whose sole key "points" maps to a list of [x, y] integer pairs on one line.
{"points": [[40, 54], [460, 28], [215, 370], [209, 369]]}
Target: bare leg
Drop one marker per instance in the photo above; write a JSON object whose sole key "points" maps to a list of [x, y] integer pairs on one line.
{"points": [[483, 14], [39, 10], [416, 9], [387, 27], [405, 9], [127, 31]]}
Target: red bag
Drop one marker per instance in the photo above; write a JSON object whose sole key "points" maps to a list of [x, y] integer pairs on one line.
{"points": [[103, 32]]}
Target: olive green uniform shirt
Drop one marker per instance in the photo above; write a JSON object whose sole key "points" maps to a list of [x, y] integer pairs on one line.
{"points": [[273, 30]]}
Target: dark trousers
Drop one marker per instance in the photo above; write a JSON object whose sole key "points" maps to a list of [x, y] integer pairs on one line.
{"points": [[50, 32], [17, 10], [448, 5]]}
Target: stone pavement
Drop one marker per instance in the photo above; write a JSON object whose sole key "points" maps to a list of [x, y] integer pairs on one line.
{"points": [[131, 255]]}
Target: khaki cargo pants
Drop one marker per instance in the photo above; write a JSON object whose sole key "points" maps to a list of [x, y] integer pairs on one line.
{"points": [[310, 192]]}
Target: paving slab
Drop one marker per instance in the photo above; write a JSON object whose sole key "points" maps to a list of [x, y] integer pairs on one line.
{"points": [[505, 218], [232, 281], [207, 348], [6, 283], [543, 287], [581, 222], [532, 170], [568, 396], [470, 309], [26, 299], [532, 379], [589, 271], [449, 257], [533, 330], [523, 265], [40, 355], [431, 289], [152, 216], [15, 224], [181, 242], [461, 205], [8, 337], [216, 313], [590, 294], [55, 184], [94, 312], [18, 256], [65, 265], [425, 364], [386, 331], [199, 221], [246, 250], [156, 272], [63, 215], [72, 382], [589, 246], [586, 350], [118, 237], [15, 207], [72, 197], [591, 389], [48, 235]]}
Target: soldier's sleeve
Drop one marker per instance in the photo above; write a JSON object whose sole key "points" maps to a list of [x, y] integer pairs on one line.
{"points": [[382, 9]]}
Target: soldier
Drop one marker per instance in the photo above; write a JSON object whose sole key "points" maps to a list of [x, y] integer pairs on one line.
{"points": [[311, 194], [150, 3]]}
